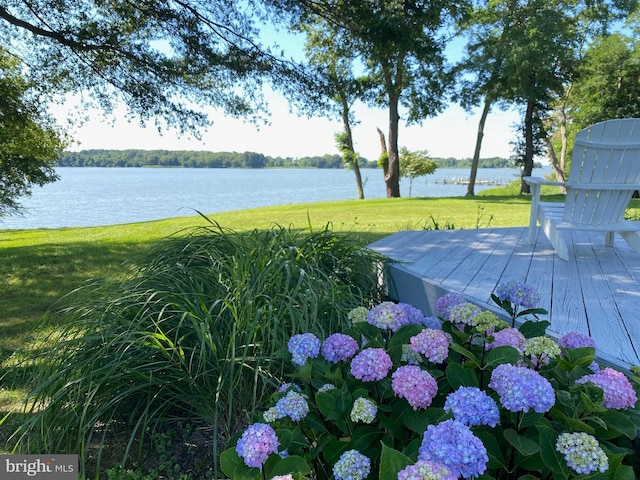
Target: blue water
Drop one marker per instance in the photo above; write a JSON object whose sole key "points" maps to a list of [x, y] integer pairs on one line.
{"points": [[91, 196]]}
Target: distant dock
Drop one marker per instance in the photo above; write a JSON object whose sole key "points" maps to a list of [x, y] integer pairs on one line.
{"points": [[465, 181]]}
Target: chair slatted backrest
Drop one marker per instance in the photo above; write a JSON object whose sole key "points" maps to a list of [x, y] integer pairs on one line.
{"points": [[605, 162]]}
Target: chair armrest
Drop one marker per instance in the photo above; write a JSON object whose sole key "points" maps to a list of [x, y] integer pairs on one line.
{"points": [[541, 181]]}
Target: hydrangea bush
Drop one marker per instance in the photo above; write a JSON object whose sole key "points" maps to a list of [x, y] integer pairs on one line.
{"points": [[464, 395]]}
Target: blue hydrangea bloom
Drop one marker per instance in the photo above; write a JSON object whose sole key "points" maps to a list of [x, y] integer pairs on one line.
{"points": [[472, 406], [521, 389], [303, 346], [339, 347], [518, 293], [454, 445], [352, 465], [293, 405], [258, 441]]}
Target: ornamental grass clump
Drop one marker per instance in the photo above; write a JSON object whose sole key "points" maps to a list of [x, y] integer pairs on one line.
{"points": [[478, 398]]}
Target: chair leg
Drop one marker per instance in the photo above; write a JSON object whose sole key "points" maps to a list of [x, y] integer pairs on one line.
{"points": [[633, 239], [558, 243], [608, 238]]}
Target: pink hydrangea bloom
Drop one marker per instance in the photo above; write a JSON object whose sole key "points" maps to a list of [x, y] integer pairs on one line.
{"points": [[617, 389], [433, 344], [415, 385]]}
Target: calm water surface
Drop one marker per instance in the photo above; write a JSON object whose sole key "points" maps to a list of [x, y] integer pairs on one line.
{"points": [[91, 196]]}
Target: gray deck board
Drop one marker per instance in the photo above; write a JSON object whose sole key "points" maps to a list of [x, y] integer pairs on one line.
{"points": [[596, 292]]}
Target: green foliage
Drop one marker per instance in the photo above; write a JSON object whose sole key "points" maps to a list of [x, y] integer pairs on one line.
{"points": [[191, 159], [606, 84], [415, 164], [163, 62], [193, 331], [522, 445], [30, 142]]}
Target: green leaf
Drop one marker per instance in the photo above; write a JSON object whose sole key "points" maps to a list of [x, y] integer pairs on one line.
{"points": [[524, 445], [471, 358], [500, 355], [458, 375], [494, 450], [234, 467], [532, 329], [391, 462], [290, 464], [618, 423], [365, 436], [551, 458]]}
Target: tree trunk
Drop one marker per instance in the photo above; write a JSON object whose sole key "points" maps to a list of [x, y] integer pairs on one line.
{"points": [[528, 146], [392, 176], [354, 157], [476, 153]]}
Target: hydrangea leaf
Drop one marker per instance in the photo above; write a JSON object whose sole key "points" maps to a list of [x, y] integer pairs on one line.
{"points": [[234, 467], [618, 423], [391, 462], [532, 329], [524, 445], [503, 354], [365, 436], [470, 357], [291, 464], [458, 375], [551, 458]]}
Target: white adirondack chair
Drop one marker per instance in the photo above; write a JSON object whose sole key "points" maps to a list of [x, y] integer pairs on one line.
{"points": [[605, 171]]}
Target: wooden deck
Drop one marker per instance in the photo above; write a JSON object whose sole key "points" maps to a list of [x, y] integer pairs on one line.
{"points": [[596, 292]]}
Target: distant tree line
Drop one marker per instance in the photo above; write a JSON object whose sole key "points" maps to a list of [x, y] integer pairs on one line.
{"points": [[204, 159], [195, 159]]}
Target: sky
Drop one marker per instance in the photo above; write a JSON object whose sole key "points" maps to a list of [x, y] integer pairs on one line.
{"points": [[449, 134]]}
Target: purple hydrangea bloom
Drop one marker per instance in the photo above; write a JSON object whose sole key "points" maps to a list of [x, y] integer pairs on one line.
{"points": [[414, 315], [339, 347], [433, 344], [447, 302], [617, 389], [256, 444], [371, 364], [582, 453], [292, 405], [388, 316], [472, 406], [576, 340], [426, 470], [518, 293], [511, 337], [415, 385], [521, 389], [452, 444], [352, 465], [303, 346]]}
